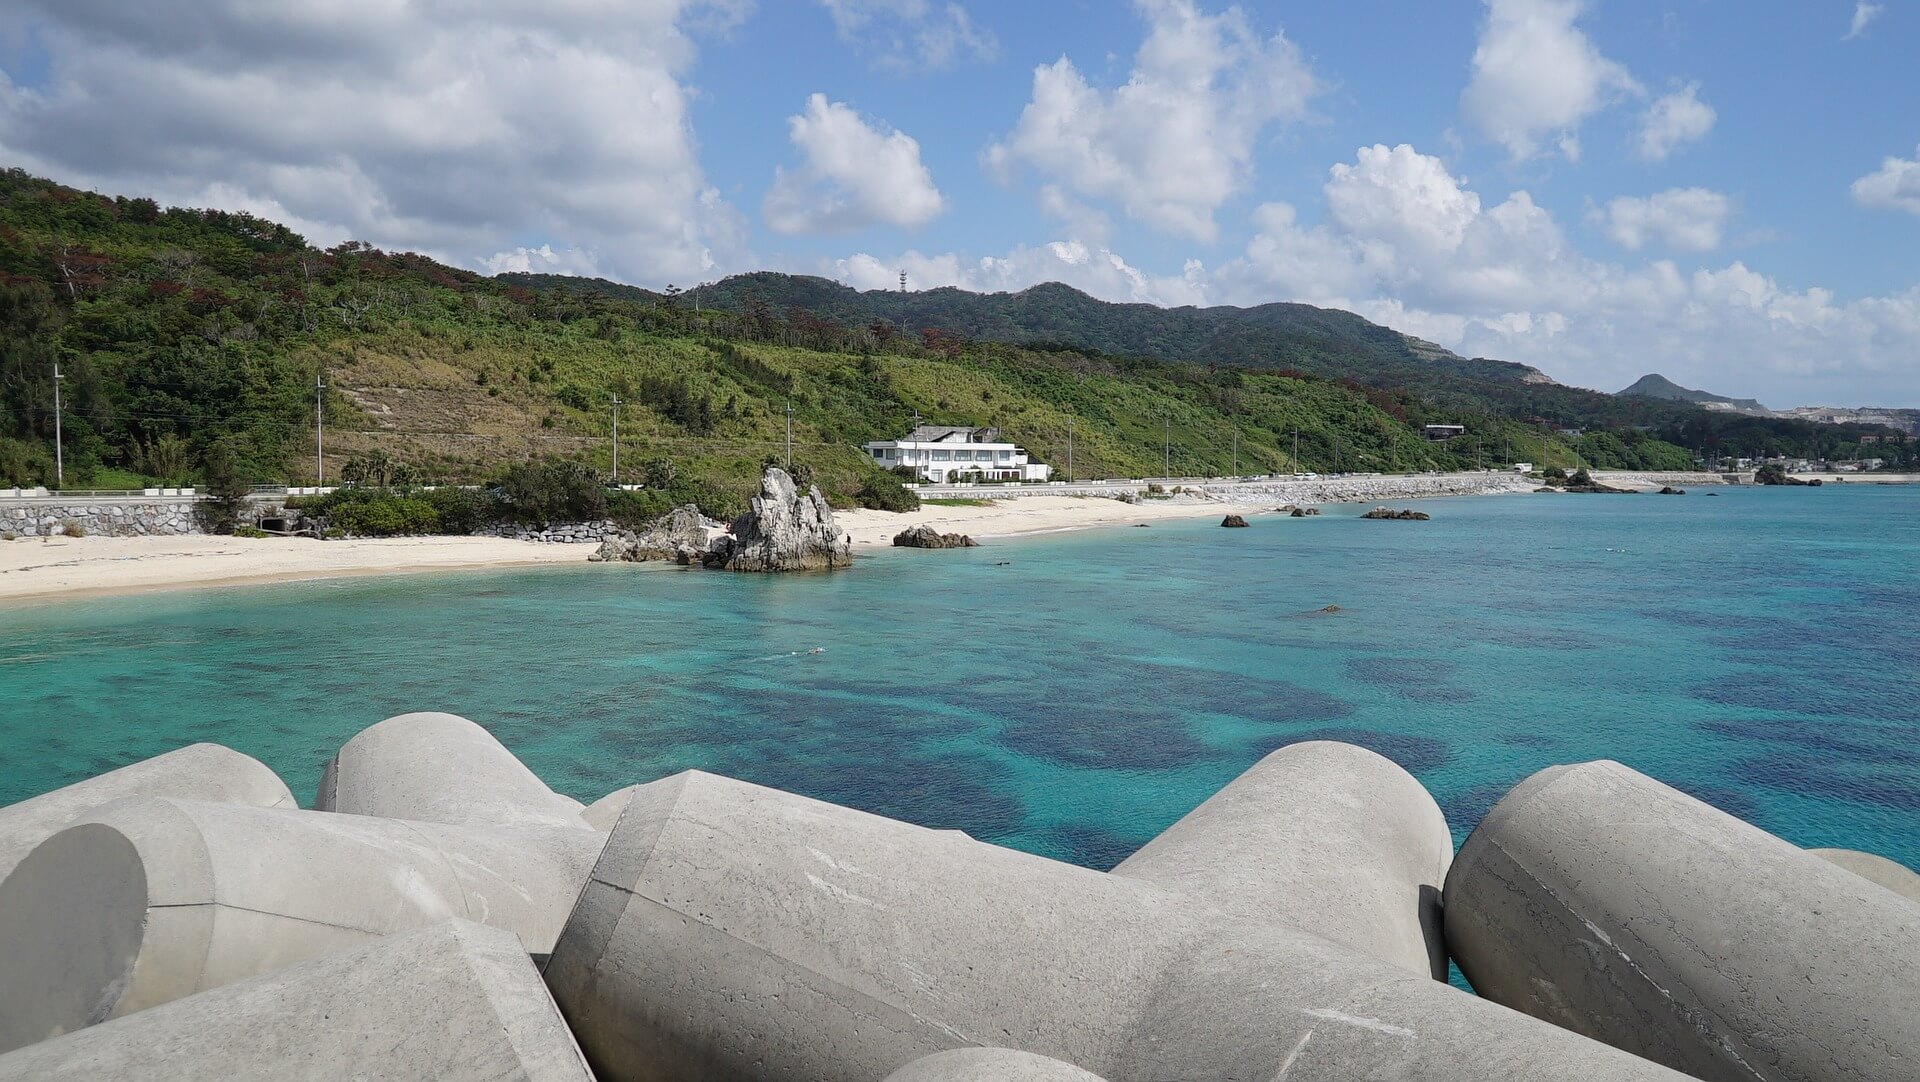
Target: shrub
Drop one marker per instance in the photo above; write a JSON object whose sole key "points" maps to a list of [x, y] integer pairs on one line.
{"points": [[552, 490], [885, 493], [1580, 477], [636, 510], [72, 528], [712, 500], [464, 511], [250, 531], [387, 515], [1554, 473]]}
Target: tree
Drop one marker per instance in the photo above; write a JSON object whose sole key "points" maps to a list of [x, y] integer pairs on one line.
{"points": [[657, 473], [225, 490]]}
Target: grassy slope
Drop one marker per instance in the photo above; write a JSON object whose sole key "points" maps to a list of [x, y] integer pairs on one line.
{"points": [[184, 329]]}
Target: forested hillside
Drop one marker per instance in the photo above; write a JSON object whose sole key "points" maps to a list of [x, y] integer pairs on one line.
{"points": [[1320, 341], [188, 336], [184, 335]]}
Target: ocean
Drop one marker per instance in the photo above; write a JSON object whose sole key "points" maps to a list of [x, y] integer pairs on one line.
{"points": [[1072, 694]]}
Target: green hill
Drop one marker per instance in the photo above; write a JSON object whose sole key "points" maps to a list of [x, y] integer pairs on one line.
{"points": [[1655, 385], [186, 336], [180, 332]]}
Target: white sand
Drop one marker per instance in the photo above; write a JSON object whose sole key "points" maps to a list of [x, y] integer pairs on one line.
{"points": [[33, 567], [1030, 514]]}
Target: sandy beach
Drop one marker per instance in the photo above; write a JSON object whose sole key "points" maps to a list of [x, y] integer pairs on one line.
{"points": [[36, 567]]}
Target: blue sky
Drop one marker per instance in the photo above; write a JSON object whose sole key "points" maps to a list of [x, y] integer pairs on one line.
{"points": [[1725, 192]]}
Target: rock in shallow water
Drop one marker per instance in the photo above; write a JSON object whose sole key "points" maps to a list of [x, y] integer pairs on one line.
{"points": [[1233, 520], [926, 537], [787, 530]]}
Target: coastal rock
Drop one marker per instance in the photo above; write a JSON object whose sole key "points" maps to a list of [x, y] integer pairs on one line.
{"points": [[1546, 488], [1404, 516], [682, 536], [1873, 867], [1233, 520], [926, 537], [787, 530], [1669, 490]]}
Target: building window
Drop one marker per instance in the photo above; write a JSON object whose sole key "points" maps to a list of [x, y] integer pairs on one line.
{"points": [[942, 456]]}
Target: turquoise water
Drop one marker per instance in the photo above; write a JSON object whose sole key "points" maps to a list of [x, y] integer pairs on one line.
{"points": [[1073, 694]]}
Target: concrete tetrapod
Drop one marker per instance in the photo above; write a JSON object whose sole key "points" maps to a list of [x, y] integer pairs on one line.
{"points": [[1597, 898], [1891, 874], [145, 902], [1326, 837], [989, 1065], [195, 772], [730, 931], [455, 1000], [439, 768]]}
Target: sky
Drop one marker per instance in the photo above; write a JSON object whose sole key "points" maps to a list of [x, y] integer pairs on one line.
{"points": [[1723, 191]]}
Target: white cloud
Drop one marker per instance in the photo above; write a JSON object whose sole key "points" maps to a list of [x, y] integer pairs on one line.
{"points": [[1683, 219], [910, 35], [1863, 13], [855, 176], [1177, 139], [1536, 77], [1098, 271], [1672, 121], [543, 260], [1894, 186], [1407, 243], [419, 125]]}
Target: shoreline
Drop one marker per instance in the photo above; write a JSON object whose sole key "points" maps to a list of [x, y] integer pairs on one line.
{"points": [[40, 569]]}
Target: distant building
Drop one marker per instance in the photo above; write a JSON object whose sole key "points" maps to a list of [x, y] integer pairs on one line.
{"points": [[943, 455], [1437, 433]]}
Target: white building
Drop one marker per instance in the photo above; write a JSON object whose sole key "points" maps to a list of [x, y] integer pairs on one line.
{"points": [[944, 455]]}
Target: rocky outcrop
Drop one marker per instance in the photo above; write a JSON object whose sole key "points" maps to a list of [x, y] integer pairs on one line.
{"points": [[1669, 490], [1233, 520], [682, 536], [787, 530], [926, 537], [1389, 513], [1300, 512]]}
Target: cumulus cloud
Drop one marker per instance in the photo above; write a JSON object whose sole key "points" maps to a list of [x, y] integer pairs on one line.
{"points": [[1894, 186], [1536, 77], [426, 125], [1683, 219], [912, 35], [1863, 13], [1673, 121], [1407, 243], [1175, 141], [854, 176], [1095, 270]]}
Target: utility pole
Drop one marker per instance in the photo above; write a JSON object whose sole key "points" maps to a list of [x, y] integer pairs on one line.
{"points": [[1336, 452], [319, 434], [616, 440], [1166, 447], [1296, 448], [1236, 448], [789, 437], [1069, 448], [59, 452]]}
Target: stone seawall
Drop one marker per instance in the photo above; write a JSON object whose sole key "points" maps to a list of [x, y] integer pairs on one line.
{"points": [[130, 518]]}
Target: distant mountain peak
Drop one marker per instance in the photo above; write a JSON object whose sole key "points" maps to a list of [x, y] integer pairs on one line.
{"points": [[1655, 385]]}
